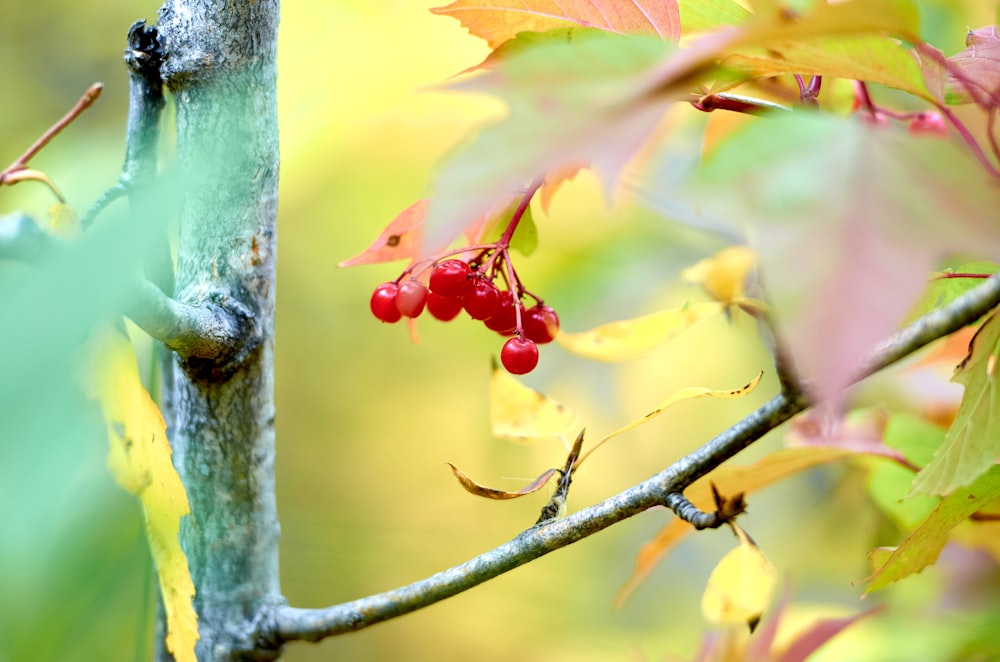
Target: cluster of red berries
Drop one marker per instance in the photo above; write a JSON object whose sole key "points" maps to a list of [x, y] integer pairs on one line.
{"points": [[454, 287]]}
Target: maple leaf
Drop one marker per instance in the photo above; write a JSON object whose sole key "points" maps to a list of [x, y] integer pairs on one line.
{"points": [[873, 59], [400, 240], [705, 15], [596, 98], [139, 459], [978, 68], [571, 102], [496, 21], [848, 220], [922, 547], [972, 443], [948, 286]]}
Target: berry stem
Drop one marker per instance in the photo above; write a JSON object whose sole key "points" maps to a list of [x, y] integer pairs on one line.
{"points": [[504, 242], [991, 101], [970, 140], [502, 252]]}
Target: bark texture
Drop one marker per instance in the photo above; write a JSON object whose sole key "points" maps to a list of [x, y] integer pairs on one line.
{"points": [[220, 65]]}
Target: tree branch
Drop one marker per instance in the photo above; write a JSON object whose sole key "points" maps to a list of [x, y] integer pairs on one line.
{"points": [[21, 240], [290, 624], [217, 330]]}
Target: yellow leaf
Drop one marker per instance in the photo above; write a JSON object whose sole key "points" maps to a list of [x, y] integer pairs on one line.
{"points": [[686, 394], [139, 460], [724, 275], [520, 413], [677, 396], [63, 221], [740, 587], [729, 479], [626, 339]]}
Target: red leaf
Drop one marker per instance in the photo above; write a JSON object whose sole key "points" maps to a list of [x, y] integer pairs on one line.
{"points": [[401, 239], [819, 633], [980, 66]]}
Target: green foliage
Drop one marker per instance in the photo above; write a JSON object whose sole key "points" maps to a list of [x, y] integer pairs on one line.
{"points": [[972, 444], [848, 220]]}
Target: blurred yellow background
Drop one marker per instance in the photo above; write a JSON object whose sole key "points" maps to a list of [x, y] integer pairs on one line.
{"points": [[366, 419]]}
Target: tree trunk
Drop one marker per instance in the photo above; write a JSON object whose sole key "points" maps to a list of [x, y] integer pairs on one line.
{"points": [[220, 65]]}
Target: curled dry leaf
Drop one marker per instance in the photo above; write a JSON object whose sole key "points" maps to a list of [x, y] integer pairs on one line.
{"points": [[473, 487], [728, 508], [557, 504]]}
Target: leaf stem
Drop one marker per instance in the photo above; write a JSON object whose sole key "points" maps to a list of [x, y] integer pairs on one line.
{"points": [[88, 98]]}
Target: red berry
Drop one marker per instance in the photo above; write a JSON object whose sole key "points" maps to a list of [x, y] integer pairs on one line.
{"points": [[482, 301], [383, 303], [519, 356], [451, 279], [876, 120], [541, 324], [928, 124], [504, 320], [443, 308], [411, 297]]}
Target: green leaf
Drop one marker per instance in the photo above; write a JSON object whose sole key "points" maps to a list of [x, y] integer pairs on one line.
{"points": [[945, 288], [922, 547], [888, 484], [872, 59], [525, 238], [914, 437], [704, 15], [972, 444]]}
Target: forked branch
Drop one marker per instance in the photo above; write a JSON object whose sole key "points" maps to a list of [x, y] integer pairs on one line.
{"points": [[663, 489]]}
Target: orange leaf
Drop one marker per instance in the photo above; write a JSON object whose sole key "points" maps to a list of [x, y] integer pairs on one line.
{"points": [[555, 179], [496, 21], [401, 239]]}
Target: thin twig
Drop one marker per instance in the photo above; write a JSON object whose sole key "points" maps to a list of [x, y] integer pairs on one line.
{"points": [[287, 623], [88, 98]]}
